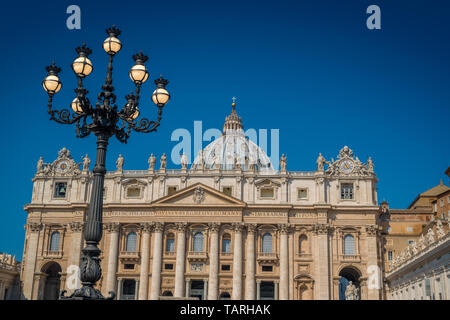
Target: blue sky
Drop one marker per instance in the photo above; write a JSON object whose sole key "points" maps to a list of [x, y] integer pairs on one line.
{"points": [[308, 68]]}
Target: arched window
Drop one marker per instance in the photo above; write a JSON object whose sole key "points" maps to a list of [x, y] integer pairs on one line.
{"points": [[131, 242], [225, 296], [198, 242], [167, 294], [226, 243], [267, 243], [170, 243], [349, 244], [54, 241], [303, 244]]}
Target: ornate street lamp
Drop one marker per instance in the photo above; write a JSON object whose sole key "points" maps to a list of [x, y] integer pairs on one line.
{"points": [[104, 120]]}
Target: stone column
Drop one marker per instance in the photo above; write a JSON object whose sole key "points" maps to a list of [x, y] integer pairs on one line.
{"points": [[284, 263], [205, 288], [145, 261], [374, 280], [213, 291], [322, 262], [30, 259], [276, 288], [157, 260], [113, 229], [180, 263], [119, 289], [258, 289], [250, 270], [74, 259], [188, 288], [237, 262]]}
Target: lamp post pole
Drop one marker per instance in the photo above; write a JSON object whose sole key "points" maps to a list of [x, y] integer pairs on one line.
{"points": [[104, 121]]}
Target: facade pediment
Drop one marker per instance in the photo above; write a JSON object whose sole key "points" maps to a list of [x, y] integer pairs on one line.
{"points": [[199, 195]]}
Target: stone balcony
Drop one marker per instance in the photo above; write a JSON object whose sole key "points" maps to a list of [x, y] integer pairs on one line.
{"points": [[170, 254], [350, 257], [129, 256], [267, 257], [54, 254], [303, 257], [197, 256]]}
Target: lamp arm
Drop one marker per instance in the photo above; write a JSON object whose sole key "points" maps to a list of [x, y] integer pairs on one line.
{"points": [[63, 116]]}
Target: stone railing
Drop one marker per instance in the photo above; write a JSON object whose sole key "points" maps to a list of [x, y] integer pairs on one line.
{"points": [[10, 267], [197, 255], [267, 257], [350, 257], [195, 171], [424, 245], [53, 254], [130, 256]]}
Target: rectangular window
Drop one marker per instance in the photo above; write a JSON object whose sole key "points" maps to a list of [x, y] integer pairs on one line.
{"points": [[267, 193], [227, 190], [168, 266], [171, 190], [170, 247], [133, 192], [410, 242], [409, 229], [128, 266], [267, 268], [60, 189], [390, 255], [302, 194], [347, 191], [226, 267]]}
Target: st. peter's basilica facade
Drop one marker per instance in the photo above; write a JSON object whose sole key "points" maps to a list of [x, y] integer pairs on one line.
{"points": [[228, 227]]}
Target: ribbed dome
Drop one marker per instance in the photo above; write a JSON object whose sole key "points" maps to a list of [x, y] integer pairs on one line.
{"points": [[233, 150]]}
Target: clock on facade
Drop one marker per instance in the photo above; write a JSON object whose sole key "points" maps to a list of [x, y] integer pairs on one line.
{"points": [[62, 166], [346, 166]]}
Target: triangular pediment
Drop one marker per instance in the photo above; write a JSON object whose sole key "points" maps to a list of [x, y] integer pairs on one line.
{"points": [[199, 195]]}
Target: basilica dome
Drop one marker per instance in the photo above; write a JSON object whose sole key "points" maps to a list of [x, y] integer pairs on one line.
{"points": [[233, 150]]}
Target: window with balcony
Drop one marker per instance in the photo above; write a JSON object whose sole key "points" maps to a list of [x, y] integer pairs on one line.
{"points": [[226, 243], [131, 242], [347, 191], [349, 245], [198, 242], [267, 243], [170, 243], [54, 241]]}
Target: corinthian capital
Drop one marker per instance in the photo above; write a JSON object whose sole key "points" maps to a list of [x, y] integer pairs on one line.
{"points": [[76, 226], [34, 227], [158, 227], [146, 227], [237, 226], [214, 227], [321, 228], [251, 227], [181, 226], [284, 228], [371, 230], [112, 226]]}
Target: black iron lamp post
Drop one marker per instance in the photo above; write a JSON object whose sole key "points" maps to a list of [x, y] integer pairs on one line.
{"points": [[104, 120]]}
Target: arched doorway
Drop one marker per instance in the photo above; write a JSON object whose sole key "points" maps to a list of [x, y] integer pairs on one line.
{"points": [[349, 274], [52, 281], [167, 293], [198, 289]]}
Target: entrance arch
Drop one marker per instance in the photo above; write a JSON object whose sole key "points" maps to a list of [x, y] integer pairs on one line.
{"points": [[347, 274], [52, 283]]}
